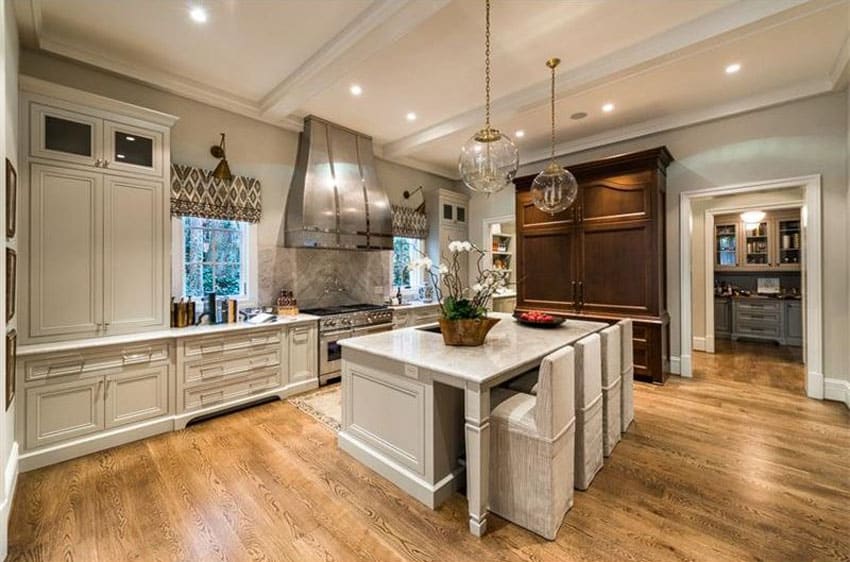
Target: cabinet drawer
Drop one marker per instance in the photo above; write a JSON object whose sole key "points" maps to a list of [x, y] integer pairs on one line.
{"points": [[205, 371], [211, 345], [138, 393], [750, 328], [765, 317], [758, 306], [215, 393], [93, 361]]}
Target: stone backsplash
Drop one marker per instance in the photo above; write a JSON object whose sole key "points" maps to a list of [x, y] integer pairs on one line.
{"points": [[324, 277]]}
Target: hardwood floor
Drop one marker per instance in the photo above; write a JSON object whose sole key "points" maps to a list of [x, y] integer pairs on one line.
{"points": [[721, 467]]}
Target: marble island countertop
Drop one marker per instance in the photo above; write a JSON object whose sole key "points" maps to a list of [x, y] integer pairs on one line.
{"points": [[170, 333], [508, 346]]}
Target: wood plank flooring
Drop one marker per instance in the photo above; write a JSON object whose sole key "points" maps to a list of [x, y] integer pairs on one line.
{"points": [[734, 464]]}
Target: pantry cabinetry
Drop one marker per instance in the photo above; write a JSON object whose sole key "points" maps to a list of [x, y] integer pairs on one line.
{"points": [[773, 244]]}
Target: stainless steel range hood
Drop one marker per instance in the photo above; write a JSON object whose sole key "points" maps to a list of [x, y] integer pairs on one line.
{"points": [[335, 200]]}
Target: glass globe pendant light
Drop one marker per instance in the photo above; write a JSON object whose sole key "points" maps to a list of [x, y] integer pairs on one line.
{"points": [[554, 189], [489, 160]]}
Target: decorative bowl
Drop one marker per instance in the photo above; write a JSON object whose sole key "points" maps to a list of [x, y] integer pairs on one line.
{"points": [[468, 332], [550, 321]]}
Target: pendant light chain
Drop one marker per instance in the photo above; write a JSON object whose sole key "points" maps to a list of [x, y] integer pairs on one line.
{"points": [[552, 107], [487, 65]]}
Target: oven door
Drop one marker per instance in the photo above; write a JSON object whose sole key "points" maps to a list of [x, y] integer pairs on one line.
{"points": [[330, 354], [366, 330]]}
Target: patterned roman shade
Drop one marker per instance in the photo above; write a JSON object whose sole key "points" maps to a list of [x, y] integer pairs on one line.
{"points": [[409, 223], [196, 193]]}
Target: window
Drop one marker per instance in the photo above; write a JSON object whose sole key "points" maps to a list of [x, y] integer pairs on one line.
{"points": [[406, 250], [215, 256]]}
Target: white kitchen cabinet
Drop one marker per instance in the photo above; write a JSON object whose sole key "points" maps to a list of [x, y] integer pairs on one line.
{"points": [[67, 133], [97, 230], [136, 394], [66, 259], [133, 255], [447, 222], [58, 412], [302, 353]]}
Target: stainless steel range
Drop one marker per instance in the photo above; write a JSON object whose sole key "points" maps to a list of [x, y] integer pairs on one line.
{"points": [[340, 322]]}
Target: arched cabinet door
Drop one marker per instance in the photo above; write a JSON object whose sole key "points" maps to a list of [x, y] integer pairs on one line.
{"points": [[621, 198]]}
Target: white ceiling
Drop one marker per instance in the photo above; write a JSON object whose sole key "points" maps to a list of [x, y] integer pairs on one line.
{"points": [[661, 62]]}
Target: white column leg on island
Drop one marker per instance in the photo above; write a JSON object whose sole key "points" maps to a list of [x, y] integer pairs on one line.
{"points": [[477, 429]]}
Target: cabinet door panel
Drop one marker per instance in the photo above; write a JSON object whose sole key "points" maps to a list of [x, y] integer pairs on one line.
{"points": [[58, 412], [136, 395], [617, 272], [133, 254], [548, 269], [64, 135], [302, 353], [617, 198], [132, 149], [531, 216], [66, 270]]}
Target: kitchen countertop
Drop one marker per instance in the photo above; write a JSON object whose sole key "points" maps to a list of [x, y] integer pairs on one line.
{"points": [[413, 305], [758, 297], [509, 345], [170, 333], [504, 295]]}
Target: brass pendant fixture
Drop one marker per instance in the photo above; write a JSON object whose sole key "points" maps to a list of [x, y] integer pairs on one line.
{"points": [[554, 189], [222, 171], [489, 160]]}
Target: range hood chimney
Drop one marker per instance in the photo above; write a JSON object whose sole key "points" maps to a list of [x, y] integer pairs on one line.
{"points": [[335, 200]]}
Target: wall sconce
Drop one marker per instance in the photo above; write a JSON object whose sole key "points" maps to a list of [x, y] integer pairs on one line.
{"points": [[222, 171]]}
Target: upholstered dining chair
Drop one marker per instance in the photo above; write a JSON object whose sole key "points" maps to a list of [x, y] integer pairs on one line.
{"points": [[611, 383], [588, 401], [532, 438], [627, 366]]}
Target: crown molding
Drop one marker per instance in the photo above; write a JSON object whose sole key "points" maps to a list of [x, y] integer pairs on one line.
{"points": [[841, 66], [660, 125], [382, 24], [707, 32]]}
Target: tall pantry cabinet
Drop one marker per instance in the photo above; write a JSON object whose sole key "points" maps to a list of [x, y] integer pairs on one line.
{"points": [[96, 238]]}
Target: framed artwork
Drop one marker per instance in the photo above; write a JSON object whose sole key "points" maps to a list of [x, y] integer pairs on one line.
{"points": [[11, 363], [11, 199], [11, 273]]}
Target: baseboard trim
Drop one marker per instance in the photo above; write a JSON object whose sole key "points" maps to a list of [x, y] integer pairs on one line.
{"points": [[698, 343], [838, 390], [9, 485], [675, 365], [815, 385]]}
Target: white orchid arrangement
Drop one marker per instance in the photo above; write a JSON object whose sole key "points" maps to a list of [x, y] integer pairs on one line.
{"points": [[458, 301]]}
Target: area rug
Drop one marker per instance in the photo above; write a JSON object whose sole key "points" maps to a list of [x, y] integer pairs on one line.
{"points": [[324, 405]]}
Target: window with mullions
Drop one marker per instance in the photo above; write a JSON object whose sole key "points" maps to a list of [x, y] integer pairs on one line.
{"points": [[214, 256]]}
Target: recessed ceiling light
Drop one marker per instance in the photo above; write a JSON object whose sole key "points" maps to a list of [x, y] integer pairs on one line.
{"points": [[355, 90], [519, 134], [411, 116], [578, 115], [608, 107], [129, 138], [733, 68], [120, 156], [198, 14]]}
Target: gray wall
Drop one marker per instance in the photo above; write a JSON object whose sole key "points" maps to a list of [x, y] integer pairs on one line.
{"points": [[254, 149], [804, 137]]}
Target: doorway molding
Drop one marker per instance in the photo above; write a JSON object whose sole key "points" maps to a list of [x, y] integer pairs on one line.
{"points": [[811, 217], [708, 345]]}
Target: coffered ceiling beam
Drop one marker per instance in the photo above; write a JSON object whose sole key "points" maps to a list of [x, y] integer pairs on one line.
{"points": [[380, 25], [726, 24]]}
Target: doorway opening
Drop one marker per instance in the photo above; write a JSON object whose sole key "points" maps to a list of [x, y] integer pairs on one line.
{"points": [[751, 284]]}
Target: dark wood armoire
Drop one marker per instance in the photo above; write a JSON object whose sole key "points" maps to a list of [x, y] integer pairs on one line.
{"points": [[604, 257]]}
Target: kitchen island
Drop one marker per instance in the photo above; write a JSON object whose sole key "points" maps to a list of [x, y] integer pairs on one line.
{"points": [[412, 407]]}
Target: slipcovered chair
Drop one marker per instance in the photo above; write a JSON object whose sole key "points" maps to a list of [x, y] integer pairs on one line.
{"points": [[588, 401], [611, 381], [627, 365], [531, 449]]}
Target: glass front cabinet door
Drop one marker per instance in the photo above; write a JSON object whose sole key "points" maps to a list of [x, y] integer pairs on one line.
{"points": [[788, 243], [725, 246], [65, 135], [756, 245], [132, 149]]}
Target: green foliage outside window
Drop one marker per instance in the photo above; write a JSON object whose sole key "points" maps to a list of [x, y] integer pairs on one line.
{"points": [[212, 257], [405, 250]]}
